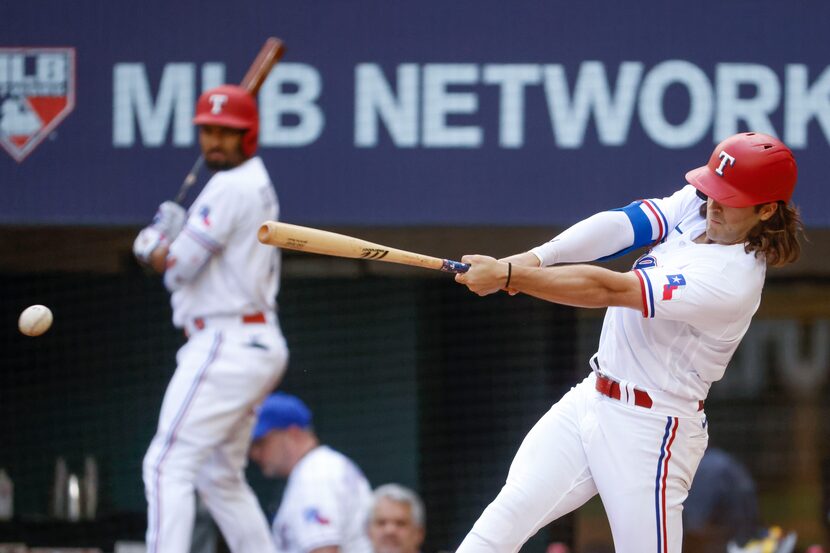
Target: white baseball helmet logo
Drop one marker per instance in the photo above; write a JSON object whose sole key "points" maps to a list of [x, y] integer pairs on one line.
{"points": [[216, 102], [724, 159]]}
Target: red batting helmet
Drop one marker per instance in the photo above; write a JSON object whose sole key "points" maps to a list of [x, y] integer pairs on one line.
{"points": [[233, 107], [747, 169]]}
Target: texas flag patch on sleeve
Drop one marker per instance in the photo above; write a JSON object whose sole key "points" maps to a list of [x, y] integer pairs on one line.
{"points": [[204, 215], [674, 288], [312, 514]]}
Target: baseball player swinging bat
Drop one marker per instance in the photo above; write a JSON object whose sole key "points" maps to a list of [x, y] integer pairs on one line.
{"points": [[268, 56], [305, 239]]}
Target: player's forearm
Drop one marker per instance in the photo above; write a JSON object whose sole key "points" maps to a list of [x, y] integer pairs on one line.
{"points": [[187, 257], [578, 286], [525, 259]]}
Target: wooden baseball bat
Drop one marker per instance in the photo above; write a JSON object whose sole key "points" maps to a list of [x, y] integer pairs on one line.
{"points": [[305, 239], [268, 56]]}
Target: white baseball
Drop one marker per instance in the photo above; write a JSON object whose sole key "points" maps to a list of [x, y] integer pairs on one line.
{"points": [[35, 320]]}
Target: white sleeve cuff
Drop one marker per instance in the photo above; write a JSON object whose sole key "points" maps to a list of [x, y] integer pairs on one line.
{"points": [[546, 253], [188, 255]]}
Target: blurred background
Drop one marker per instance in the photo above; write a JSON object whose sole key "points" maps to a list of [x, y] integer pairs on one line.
{"points": [[440, 127]]}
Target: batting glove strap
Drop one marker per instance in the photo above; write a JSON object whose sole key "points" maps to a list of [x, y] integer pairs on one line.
{"points": [[147, 241]]}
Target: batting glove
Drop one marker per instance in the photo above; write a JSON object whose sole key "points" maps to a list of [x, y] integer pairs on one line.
{"points": [[170, 219], [146, 242]]}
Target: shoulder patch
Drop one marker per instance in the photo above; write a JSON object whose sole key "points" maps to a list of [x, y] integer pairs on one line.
{"points": [[674, 288], [313, 515], [204, 214]]}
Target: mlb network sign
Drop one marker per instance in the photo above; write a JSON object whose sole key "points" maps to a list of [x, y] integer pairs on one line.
{"points": [[37, 92], [438, 105]]}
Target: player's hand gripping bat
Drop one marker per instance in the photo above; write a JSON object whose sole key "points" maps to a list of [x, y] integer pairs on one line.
{"points": [[305, 239], [268, 56]]}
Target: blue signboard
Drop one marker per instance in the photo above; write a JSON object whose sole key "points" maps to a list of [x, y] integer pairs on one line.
{"points": [[399, 114]]}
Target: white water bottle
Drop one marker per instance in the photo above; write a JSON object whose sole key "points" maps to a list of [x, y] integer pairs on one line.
{"points": [[6, 496], [73, 498]]}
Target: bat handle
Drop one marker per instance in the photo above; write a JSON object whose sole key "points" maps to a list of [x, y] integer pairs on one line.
{"points": [[189, 180], [451, 266]]}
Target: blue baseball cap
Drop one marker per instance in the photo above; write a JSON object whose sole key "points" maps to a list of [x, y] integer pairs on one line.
{"points": [[280, 411]]}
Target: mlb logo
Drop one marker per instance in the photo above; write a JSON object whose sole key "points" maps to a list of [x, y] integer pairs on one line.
{"points": [[37, 92]]}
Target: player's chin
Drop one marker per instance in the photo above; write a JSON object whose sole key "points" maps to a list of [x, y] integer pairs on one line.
{"points": [[218, 163], [268, 471], [389, 546]]}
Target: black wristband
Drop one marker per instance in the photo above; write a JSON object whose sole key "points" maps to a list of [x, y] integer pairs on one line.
{"points": [[509, 274]]}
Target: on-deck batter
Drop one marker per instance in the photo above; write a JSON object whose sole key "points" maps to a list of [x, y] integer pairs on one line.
{"points": [[326, 500], [224, 286], [634, 430]]}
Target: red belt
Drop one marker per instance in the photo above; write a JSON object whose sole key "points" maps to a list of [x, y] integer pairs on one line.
{"points": [[253, 318], [611, 388]]}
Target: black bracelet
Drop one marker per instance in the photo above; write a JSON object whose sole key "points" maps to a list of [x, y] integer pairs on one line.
{"points": [[509, 274]]}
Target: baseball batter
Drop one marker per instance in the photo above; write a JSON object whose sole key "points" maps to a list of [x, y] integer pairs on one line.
{"points": [[224, 285], [634, 430]]}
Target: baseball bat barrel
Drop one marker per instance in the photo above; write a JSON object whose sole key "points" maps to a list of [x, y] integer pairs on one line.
{"points": [[270, 53], [311, 240]]}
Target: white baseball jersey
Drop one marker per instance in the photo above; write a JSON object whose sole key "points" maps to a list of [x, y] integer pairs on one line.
{"points": [[698, 301], [326, 502], [225, 218]]}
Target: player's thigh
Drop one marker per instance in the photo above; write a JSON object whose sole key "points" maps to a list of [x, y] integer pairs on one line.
{"points": [[549, 476], [220, 378], [643, 465], [250, 366], [187, 399], [193, 363]]}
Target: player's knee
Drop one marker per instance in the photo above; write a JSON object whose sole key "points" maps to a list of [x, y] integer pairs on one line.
{"points": [[225, 480], [505, 523], [148, 468]]}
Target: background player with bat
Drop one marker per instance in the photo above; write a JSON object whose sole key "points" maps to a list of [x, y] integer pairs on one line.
{"points": [[224, 287]]}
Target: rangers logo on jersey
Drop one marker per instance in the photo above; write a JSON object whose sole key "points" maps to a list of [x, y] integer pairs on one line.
{"points": [[645, 261], [672, 290], [37, 92]]}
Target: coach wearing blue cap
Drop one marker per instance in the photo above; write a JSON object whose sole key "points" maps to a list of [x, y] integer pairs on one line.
{"points": [[327, 498]]}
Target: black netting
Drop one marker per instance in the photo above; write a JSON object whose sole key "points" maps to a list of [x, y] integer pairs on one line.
{"points": [[416, 379]]}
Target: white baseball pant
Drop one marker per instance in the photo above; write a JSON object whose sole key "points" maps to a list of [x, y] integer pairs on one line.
{"points": [[204, 433], [640, 462]]}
